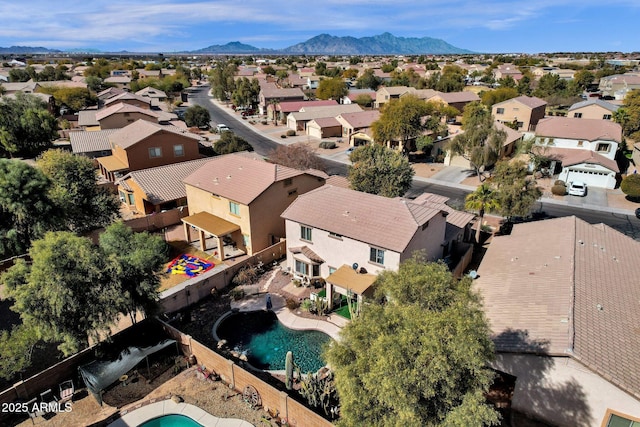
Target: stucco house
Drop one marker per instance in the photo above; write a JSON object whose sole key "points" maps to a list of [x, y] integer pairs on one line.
{"points": [[143, 145], [298, 120], [120, 115], [239, 199], [129, 98], [457, 100], [358, 122], [593, 108], [91, 144], [270, 94], [385, 94], [618, 85], [524, 110], [561, 297], [585, 149]]}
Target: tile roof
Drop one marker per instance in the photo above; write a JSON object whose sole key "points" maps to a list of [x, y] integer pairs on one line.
{"points": [[585, 129], [121, 107], [571, 288], [327, 122], [597, 101], [291, 106], [529, 101], [311, 255], [456, 220], [87, 118], [328, 111], [338, 181], [455, 97], [110, 92], [361, 119], [87, 142], [239, 177], [272, 91], [575, 156], [164, 183], [142, 129], [126, 96], [512, 134], [151, 92], [380, 221]]}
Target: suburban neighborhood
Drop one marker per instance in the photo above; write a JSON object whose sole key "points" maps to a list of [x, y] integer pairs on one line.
{"points": [[462, 230]]}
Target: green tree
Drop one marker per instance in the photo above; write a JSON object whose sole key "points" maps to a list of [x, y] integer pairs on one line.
{"points": [[368, 80], [334, 88], [481, 142], [26, 211], [84, 204], [297, 156], [550, 85], [26, 127], [246, 92], [491, 97], [94, 83], [481, 200], [230, 143], [400, 120], [76, 98], [222, 80], [379, 170], [630, 186], [417, 355], [524, 86], [364, 100], [516, 191], [197, 116], [628, 116], [64, 295], [135, 259], [583, 79]]}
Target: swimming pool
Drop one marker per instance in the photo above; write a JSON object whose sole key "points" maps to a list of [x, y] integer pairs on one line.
{"points": [[172, 420], [265, 341]]}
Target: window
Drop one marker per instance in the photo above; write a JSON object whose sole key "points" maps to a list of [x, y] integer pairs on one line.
{"points": [[315, 270], [603, 148], [577, 115], [500, 111], [305, 233], [376, 256], [245, 240], [234, 208], [335, 235], [132, 200], [178, 150], [519, 124], [302, 268], [622, 421], [155, 152], [288, 182], [292, 192], [606, 117], [332, 270], [580, 143]]}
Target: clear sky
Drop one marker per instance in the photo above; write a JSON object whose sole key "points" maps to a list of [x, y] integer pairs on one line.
{"points": [[529, 26]]}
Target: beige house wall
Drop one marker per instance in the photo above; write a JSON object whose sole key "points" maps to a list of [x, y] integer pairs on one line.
{"points": [[593, 111], [430, 239], [138, 154], [515, 110], [120, 120]]}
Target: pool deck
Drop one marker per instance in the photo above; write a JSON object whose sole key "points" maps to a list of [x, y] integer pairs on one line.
{"points": [[169, 407], [287, 317]]}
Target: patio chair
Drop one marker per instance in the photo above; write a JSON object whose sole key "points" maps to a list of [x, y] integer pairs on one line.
{"points": [[51, 401], [31, 405], [66, 391]]}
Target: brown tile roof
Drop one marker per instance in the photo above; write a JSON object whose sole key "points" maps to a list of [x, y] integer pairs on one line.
{"points": [[361, 119], [238, 177], [512, 134], [127, 96], [328, 111], [575, 156], [455, 97], [121, 107], [579, 129], [338, 181], [272, 91], [142, 129], [87, 118], [327, 122], [571, 288], [164, 183], [291, 106], [380, 221], [456, 220], [304, 250]]}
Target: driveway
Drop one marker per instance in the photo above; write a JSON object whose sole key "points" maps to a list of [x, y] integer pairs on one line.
{"points": [[453, 174]]}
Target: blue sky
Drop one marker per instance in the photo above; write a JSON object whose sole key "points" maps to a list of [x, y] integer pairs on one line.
{"points": [[528, 26]]}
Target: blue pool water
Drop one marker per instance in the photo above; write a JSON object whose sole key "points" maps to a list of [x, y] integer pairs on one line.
{"points": [[266, 341], [171, 421]]}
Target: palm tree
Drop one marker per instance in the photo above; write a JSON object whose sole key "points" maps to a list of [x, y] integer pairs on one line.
{"points": [[481, 200]]}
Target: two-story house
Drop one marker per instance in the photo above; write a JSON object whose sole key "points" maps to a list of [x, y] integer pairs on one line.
{"points": [[272, 94], [525, 111], [143, 145], [120, 115], [356, 126], [238, 199], [593, 108], [585, 148], [337, 230]]}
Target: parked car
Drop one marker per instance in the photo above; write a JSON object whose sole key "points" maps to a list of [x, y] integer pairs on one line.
{"points": [[638, 213], [222, 128], [248, 112], [577, 188]]}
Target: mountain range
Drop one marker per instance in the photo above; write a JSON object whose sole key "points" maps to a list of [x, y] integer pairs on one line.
{"points": [[382, 44]]}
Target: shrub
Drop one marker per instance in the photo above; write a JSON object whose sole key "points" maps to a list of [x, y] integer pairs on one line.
{"points": [[559, 190], [292, 304], [236, 294], [264, 122], [283, 136], [328, 145], [306, 305], [559, 182], [245, 276], [291, 132], [630, 185], [296, 283]]}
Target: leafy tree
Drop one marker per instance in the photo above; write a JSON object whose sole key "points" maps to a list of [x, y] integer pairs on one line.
{"points": [[524, 86], [18, 75], [26, 127], [350, 73], [246, 92], [481, 142], [94, 83], [424, 143], [135, 260], [481, 200], [583, 79], [628, 116], [630, 185], [507, 82], [84, 204], [334, 88], [297, 156], [222, 80], [368, 80], [516, 191], [379, 170], [364, 100], [550, 85], [451, 79], [197, 116], [417, 355], [64, 295], [16, 348], [76, 98], [400, 120], [230, 143], [491, 97], [26, 211]]}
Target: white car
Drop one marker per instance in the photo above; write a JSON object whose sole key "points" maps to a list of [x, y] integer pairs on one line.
{"points": [[222, 128], [577, 188]]}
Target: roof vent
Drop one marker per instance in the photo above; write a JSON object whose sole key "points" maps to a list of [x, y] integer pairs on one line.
{"points": [[228, 176], [599, 307]]}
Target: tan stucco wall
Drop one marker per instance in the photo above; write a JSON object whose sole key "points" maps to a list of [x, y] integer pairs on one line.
{"points": [[430, 240], [513, 110], [593, 111], [119, 120]]}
